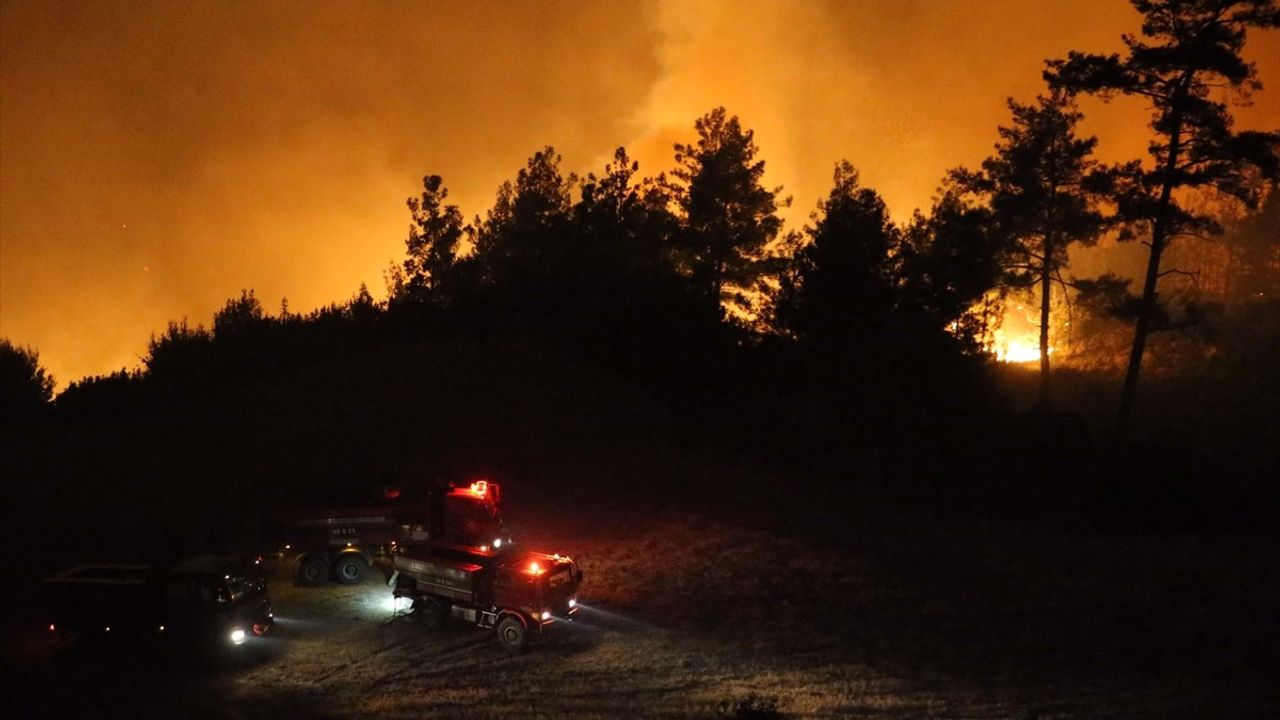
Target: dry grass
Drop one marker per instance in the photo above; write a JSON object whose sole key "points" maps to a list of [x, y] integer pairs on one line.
{"points": [[607, 665], [683, 614]]}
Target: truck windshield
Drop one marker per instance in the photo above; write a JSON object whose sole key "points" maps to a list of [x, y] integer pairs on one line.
{"points": [[244, 587], [560, 577]]}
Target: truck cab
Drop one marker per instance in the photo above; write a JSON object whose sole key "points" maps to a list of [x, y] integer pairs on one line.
{"points": [[213, 597], [542, 587]]}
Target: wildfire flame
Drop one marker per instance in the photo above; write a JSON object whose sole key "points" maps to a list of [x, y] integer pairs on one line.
{"points": [[1017, 338], [1019, 350]]}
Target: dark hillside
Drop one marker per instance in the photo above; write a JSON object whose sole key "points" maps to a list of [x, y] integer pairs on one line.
{"points": [[1013, 562], [341, 430]]}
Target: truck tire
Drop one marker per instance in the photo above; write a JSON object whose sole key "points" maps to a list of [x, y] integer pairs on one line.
{"points": [[429, 613], [312, 571], [349, 568], [512, 634]]}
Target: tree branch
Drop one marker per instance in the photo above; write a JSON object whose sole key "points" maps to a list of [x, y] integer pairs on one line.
{"points": [[1195, 276]]}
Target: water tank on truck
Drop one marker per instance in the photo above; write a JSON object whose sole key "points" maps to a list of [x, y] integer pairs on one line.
{"points": [[343, 542]]}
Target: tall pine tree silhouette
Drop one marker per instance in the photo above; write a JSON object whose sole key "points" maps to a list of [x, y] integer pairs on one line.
{"points": [[1189, 53], [1036, 185], [729, 217]]}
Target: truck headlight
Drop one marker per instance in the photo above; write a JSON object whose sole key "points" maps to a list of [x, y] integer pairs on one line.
{"points": [[237, 636], [546, 614], [573, 602]]}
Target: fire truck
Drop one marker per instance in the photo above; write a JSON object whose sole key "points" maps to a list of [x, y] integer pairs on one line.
{"points": [[515, 593], [342, 542]]}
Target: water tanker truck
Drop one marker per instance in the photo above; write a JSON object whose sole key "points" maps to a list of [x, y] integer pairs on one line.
{"points": [[515, 593], [342, 542]]}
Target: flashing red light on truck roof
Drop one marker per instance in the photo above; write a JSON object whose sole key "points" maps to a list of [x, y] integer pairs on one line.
{"points": [[479, 488], [535, 568]]}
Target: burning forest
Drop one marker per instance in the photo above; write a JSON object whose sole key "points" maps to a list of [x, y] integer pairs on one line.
{"points": [[925, 370]]}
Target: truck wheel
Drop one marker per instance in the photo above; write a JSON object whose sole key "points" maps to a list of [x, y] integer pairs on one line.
{"points": [[312, 571], [349, 569], [429, 613], [512, 634]]}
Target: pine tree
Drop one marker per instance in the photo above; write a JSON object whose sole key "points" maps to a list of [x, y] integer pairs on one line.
{"points": [[840, 290], [25, 387], [1036, 185], [621, 225], [729, 218], [947, 262], [1189, 55], [526, 232], [432, 245]]}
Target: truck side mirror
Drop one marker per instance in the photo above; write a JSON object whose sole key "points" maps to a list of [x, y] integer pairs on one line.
{"points": [[578, 577]]}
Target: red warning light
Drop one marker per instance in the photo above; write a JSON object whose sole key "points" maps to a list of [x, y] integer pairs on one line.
{"points": [[479, 488], [535, 568], [53, 628], [391, 493]]}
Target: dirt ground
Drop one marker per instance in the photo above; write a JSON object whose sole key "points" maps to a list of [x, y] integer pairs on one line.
{"points": [[683, 617], [341, 651]]}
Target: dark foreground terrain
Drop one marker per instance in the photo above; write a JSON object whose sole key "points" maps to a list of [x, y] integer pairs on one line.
{"points": [[1010, 568], [877, 614]]}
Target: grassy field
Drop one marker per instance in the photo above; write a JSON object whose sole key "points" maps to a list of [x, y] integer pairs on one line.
{"points": [[686, 616]]}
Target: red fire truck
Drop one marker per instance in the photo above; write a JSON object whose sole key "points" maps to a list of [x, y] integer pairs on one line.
{"points": [[342, 542], [515, 593]]}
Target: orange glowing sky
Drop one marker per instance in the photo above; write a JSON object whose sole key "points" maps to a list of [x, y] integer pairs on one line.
{"points": [[156, 158]]}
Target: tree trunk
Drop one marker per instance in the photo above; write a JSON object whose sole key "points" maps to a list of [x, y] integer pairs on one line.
{"points": [[1142, 329], [1147, 309], [1045, 292]]}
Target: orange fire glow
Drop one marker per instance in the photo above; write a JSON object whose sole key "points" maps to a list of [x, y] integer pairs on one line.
{"points": [[151, 175], [1017, 339], [1019, 350]]}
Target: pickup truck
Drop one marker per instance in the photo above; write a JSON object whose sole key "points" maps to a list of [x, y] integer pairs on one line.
{"points": [[204, 599]]}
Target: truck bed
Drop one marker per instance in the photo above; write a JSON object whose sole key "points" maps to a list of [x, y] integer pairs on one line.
{"points": [[103, 598]]}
